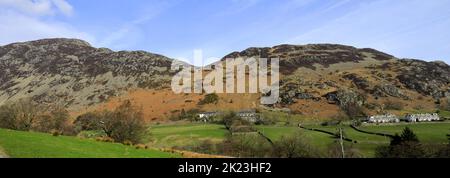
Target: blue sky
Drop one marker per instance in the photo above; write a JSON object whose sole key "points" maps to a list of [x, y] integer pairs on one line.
{"points": [[404, 28]]}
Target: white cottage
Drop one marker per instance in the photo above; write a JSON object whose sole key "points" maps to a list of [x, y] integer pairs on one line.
{"points": [[206, 116], [249, 115], [386, 118], [422, 117]]}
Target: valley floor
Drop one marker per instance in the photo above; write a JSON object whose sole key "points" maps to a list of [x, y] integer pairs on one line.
{"points": [[183, 136], [190, 135], [428, 133]]}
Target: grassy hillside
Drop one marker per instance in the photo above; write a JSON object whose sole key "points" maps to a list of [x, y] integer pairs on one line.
{"points": [[39, 145]]}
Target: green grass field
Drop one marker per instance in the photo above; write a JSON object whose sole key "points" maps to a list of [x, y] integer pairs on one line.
{"points": [[186, 134], [40, 145], [319, 140], [427, 133], [31, 145], [190, 134]]}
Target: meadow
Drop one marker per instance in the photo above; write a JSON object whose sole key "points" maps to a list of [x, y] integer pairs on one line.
{"points": [[33, 145], [428, 133], [17, 144], [191, 134], [167, 136]]}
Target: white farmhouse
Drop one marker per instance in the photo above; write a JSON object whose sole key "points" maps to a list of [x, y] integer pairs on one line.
{"points": [[206, 116], [249, 115], [386, 118], [422, 117]]}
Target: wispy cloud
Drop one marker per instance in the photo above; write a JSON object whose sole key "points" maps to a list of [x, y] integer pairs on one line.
{"points": [[129, 33], [64, 7], [399, 27]]}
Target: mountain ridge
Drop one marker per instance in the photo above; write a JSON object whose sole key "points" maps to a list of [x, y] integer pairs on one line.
{"points": [[32, 69], [72, 73]]}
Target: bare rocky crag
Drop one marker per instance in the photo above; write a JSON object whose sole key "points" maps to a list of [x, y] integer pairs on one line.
{"points": [[74, 74]]}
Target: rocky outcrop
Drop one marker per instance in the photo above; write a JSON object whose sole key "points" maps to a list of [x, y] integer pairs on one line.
{"points": [[345, 98], [291, 93], [293, 57], [428, 78], [385, 90], [360, 82], [349, 97]]}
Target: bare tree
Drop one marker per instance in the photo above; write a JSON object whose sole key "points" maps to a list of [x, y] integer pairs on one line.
{"points": [[295, 146], [124, 124], [20, 115]]}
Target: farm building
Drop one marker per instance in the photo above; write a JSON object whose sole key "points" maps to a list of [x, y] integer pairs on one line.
{"points": [[422, 117], [249, 115], [386, 118], [206, 116]]}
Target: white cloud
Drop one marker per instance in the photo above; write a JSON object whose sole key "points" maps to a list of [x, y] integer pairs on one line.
{"points": [[38, 7], [16, 27], [24, 20]]}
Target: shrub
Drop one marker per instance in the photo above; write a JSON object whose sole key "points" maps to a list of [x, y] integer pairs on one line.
{"points": [[335, 151], [406, 145], [209, 99], [446, 106], [26, 115], [228, 118], [206, 146], [236, 124], [88, 121], [353, 110], [19, 115], [294, 146], [246, 145], [128, 143], [55, 120], [55, 133], [437, 150], [186, 115], [91, 134], [125, 123], [105, 139], [7, 117], [351, 102], [340, 117], [141, 146]]}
